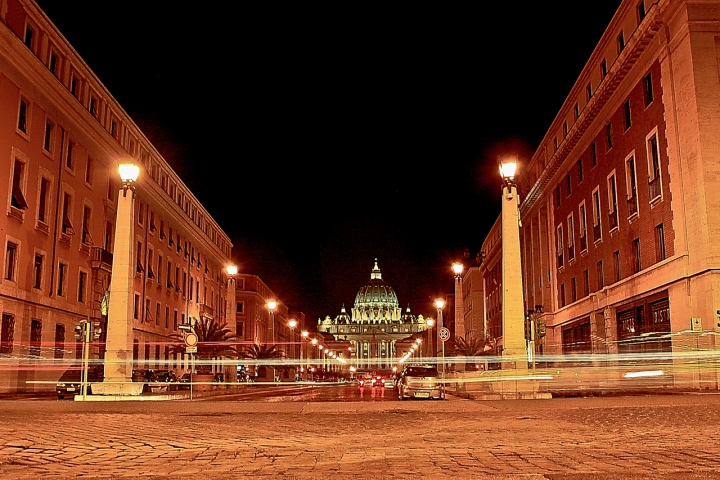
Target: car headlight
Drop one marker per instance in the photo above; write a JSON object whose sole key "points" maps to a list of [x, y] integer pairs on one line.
{"points": [[60, 385]]}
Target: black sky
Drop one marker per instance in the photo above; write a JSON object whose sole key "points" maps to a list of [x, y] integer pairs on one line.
{"points": [[321, 138]]}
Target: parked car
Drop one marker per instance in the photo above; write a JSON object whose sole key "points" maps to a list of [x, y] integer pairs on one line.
{"points": [[184, 381], [420, 381], [70, 382]]}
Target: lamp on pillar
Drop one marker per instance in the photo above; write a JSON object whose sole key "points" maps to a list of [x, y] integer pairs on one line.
{"points": [[513, 309], [118, 360], [458, 269], [430, 351], [271, 306], [292, 323], [231, 311], [440, 304]]}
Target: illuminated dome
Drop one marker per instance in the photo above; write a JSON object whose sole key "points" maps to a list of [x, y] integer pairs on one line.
{"points": [[376, 300]]}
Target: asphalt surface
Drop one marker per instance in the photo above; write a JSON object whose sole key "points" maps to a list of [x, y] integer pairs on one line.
{"points": [[667, 437]]}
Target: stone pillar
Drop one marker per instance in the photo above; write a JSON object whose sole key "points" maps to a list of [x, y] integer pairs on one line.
{"points": [[513, 308], [459, 314], [119, 346]]}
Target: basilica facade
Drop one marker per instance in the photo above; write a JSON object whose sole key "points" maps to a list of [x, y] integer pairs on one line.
{"points": [[374, 326]]}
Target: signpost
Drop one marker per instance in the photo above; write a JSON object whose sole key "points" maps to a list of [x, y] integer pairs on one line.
{"points": [[191, 341], [444, 334]]}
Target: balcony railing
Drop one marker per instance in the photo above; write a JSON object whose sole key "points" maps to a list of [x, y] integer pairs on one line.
{"points": [[101, 258]]}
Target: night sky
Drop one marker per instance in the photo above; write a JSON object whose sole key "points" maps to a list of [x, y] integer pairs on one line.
{"points": [[323, 138]]}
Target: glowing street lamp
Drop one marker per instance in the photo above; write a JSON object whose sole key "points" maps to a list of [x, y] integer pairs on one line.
{"points": [[440, 304], [430, 322], [458, 269], [271, 306], [513, 308], [119, 342]]}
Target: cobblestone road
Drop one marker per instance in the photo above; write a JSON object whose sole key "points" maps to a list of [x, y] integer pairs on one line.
{"points": [[668, 437]]}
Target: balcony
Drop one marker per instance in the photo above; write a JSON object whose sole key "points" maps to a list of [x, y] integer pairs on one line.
{"points": [[102, 259], [207, 311]]}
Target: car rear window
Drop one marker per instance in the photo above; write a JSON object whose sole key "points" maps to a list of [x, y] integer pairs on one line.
{"points": [[422, 372]]}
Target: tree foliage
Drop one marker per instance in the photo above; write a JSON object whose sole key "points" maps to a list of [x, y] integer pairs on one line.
{"points": [[215, 340], [262, 352]]}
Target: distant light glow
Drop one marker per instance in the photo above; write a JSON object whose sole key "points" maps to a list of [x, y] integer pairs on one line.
{"points": [[649, 373]]}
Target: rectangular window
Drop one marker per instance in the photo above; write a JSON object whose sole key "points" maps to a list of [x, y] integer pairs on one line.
{"points": [[147, 355], [108, 235], [62, 279], [601, 275], [159, 268], [621, 42], [560, 247], [147, 313], [66, 226], [92, 106], [28, 41], [637, 263], [47, 141], [167, 317], [35, 338], [581, 173], [571, 237], [659, 243], [89, 168], [38, 271], [558, 197], [11, 261], [82, 282], [175, 320], [588, 91], [568, 185], [22, 124], [565, 129], [626, 114], [150, 263], [555, 142], [608, 135], [70, 155], [74, 86], [561, 300], [641, 11], [7, 334], [86, 238], [17, 199], [59, 340], [582, 217], [139, 254], [631, 186], [603, 68], [586, 283], [648, 89], [577, 110], [593, 154], [53, 63], [136, 306], [43, 200], [573, 289], [597, 229], [612, 202], [654, 174], [616, 260]]}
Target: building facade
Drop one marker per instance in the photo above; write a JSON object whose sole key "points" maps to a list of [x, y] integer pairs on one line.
{"points": [[375, 325], [62, 135], [619, 202]]}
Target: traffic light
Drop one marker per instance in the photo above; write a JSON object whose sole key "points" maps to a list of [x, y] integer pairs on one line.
{"points": [[79, 332], [97, 330]]}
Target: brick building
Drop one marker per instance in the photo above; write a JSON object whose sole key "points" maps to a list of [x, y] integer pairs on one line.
{"points": [[62, 135], [619, 202]]}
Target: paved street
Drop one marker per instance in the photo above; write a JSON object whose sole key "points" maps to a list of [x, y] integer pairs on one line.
{"points": [[671, 436]]}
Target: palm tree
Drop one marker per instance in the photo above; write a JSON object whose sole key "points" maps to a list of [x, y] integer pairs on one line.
{"points": [[263, 352], [468, 347], [215, 340]]}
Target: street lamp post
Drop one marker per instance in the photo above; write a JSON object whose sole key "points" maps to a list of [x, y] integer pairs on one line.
{"points": [[439, 304], [119, 341], [430, 323], [513, 309], [303, 338], [292, 323], [271, 306], [459, 316]]}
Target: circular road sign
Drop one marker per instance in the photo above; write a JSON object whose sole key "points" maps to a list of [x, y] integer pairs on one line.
{"points": [[191, 340], [444, 334]]}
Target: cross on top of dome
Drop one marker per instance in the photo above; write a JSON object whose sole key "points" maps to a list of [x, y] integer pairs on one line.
{"points": [[375, 273]]}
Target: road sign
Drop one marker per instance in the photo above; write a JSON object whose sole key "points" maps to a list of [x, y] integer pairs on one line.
{"points": [[191, 349], [191, 340], [444, 334]]}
